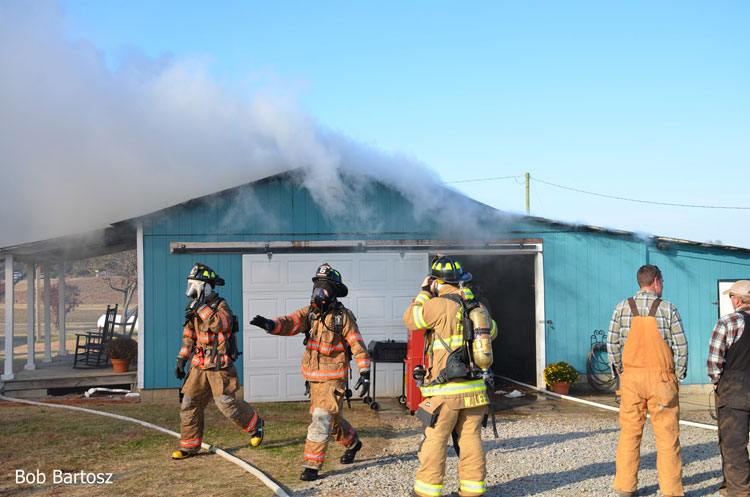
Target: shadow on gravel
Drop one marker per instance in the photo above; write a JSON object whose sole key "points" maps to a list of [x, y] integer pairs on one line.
{"points": [[363, 464], [526, 443], [545, 482]]}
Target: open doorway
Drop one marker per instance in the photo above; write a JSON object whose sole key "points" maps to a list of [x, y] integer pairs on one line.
{"points": [[505, 284]]}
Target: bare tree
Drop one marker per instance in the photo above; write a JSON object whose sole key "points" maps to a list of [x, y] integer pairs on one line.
{"points": [[120, 271]]}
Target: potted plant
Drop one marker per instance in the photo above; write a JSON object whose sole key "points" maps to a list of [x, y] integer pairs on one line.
{"points": [[559, 376], [121, 350]]}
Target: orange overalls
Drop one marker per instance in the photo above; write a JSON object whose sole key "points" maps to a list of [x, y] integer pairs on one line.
{"points": [[648, 383]]}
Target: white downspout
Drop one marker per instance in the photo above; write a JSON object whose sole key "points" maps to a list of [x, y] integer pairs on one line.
{"points": [[9, 298], [141, 305]]}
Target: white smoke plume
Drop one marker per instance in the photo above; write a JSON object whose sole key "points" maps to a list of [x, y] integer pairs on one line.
{"points": [[83, 147]]}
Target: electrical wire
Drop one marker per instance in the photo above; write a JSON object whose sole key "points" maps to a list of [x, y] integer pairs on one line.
{"points": [[653, 202], [267, 481], [604, 195], [479, 179]]}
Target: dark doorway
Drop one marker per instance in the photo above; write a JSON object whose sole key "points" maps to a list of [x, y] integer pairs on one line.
{"points": [[505, 284]]}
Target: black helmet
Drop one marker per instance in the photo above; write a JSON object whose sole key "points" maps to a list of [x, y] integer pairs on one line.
{"points": [[448, 269], [201, 272], [326, 272]]}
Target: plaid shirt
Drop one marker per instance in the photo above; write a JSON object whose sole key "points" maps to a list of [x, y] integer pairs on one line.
{"points": [[727, 331], [668, 323]]}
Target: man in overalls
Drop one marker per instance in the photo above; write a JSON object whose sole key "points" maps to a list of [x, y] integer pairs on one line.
{"points": [[647, 347], [729, 369]]}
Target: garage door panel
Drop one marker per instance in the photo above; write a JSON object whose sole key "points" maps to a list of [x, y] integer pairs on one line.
{"points": [[380, 286], [263, 348], [294, 348], [266, 306], [371, 308], [263, 385]]}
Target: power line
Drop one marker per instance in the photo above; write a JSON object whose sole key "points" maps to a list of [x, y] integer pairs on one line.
{"points": [[479, 179], [694, 206], [615, 197]]}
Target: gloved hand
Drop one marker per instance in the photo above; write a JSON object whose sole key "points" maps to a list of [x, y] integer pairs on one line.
{"points": [[179, 370], [364, 383], [428, 285], [261, 322], [192, 308]]}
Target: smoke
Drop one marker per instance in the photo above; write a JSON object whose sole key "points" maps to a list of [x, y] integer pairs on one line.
{"points": [[83, 146]]}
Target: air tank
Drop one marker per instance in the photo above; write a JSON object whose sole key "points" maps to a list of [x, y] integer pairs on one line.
{"points": [[482, 343]]}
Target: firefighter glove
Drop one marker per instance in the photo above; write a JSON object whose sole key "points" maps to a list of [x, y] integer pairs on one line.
{"points": [[427, 284], [179, 370], [261, 322], [364, 383]]}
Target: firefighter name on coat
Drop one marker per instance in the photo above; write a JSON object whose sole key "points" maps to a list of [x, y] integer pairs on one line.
{"points": [[476, 400], [60, 477]]}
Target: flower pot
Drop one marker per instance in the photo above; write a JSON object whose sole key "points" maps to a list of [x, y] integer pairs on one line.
{"points": [[561, 387], [121, 365]]}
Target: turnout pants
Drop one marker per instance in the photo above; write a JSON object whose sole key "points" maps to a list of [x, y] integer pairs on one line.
{"points": [[326, 401], [471, 464], [200, 386], [733, 413]]}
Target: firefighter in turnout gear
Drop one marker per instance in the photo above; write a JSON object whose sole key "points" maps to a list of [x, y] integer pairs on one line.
{"points": [[209, 337], [331, 339], [456, 398]]}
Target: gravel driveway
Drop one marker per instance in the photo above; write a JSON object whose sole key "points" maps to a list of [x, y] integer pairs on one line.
{"points": [[545, 454]]}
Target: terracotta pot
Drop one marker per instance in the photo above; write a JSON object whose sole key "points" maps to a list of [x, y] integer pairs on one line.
{"points": [[121, 365], [561, 387]]}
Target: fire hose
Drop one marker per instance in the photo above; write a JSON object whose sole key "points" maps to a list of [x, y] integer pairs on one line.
{"points": [[267, 481], [600, 406]]}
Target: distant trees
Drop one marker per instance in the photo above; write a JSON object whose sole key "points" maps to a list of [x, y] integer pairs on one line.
{"points": [[72, 300], [120, 272]]}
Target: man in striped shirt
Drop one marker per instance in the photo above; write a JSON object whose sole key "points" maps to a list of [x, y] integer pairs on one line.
{"points": [[646, 345], [729, 369]]}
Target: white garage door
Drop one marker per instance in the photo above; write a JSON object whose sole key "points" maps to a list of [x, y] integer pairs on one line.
{"points": [[381, 286]]}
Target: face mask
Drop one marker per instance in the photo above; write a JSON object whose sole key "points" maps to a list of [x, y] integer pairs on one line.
{"points": [[322, 295], [196, 289]]}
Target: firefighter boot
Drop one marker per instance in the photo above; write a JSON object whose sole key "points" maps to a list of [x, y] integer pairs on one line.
{"points": [[257, 437], [348, 456], [309, 474], [182, 454]]}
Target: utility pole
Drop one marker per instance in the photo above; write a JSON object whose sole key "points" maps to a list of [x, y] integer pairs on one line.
{"points": [[528, 203]]}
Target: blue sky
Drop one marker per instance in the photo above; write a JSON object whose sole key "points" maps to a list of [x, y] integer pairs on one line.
{"points": [[643, 100]]}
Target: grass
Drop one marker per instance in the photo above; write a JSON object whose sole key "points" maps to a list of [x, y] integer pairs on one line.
{"points": [[48, 438]]}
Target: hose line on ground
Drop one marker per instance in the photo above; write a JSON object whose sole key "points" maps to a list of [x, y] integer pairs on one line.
{"points": [[267, 481], [596, 404]]}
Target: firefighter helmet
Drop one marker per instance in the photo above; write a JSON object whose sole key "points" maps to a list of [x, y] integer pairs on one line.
{"points": [[448, 269], [327, 273], [201, 272]]}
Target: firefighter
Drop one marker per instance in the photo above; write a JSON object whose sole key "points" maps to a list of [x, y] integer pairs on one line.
{"points": [[456, 397], [331, 338], [209, 336]]}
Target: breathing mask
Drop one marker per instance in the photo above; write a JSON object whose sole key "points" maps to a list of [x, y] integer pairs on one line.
{"points": [[198, 290], [323, 295]]}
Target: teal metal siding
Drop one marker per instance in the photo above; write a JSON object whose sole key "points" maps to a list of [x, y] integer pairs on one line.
{"points": [[586, 272]]}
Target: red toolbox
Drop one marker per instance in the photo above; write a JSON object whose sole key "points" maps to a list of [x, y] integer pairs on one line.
{"points": [[414, 357]]}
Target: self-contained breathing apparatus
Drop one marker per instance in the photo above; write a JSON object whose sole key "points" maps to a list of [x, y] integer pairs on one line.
{"points": [[473, 358]]}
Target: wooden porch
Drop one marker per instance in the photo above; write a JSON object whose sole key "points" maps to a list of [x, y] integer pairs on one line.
{"points": [[59, 374]]}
